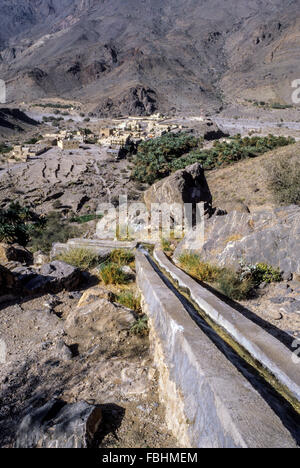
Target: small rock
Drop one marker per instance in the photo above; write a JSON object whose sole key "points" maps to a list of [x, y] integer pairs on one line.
{"points": [[281, 300], [93, 294], [292, 307], [128, 271], [287, 276], [63, 351], [57, 424], [274, 314], [40, 258], [15, 253]]}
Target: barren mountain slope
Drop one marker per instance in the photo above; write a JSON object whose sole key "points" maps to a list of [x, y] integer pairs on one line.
{"points": [[143, 55]]}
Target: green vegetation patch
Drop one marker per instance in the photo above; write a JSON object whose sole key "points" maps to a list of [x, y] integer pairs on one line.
{"points": [[81, 258], [236, 285], [130, 300], [53, 229], [154, 157], [5, 149], [18, 224], [110, 273], [85, 218], [159, 157], [284, 180], [140, 327]]}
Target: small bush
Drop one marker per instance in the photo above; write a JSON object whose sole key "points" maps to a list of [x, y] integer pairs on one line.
{"points": [[200, 270], [81, 258], [227, 281], [232, 286], [260, 273], [18, 223], [111, 273], [129, 299], [284, 181], [141, 326], [122, 257], [54, 229]]}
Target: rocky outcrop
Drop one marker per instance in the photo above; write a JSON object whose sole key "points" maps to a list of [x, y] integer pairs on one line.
{"points": [[185, 186], [15, 120], [53, 277], [93, 294], [57, 424], [73, 184], [15, 253], [97, 318], [268, 236], [138, 100]]}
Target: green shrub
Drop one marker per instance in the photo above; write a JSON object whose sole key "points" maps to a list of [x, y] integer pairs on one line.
{"points": [[81, 258], [260, 273], [18, 223], [227, 281], [110, 273], [85, 218], [284, 180], [233, 286], [122, 257], [129, 299], [140, 327], [266, 274], [200, 270], [54, 229]]}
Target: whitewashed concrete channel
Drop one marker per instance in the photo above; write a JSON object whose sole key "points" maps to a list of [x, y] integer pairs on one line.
{"points": [[213, 396]]}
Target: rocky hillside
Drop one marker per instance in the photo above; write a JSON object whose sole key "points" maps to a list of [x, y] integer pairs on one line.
{"points": [[13, 120], [142, 56]]}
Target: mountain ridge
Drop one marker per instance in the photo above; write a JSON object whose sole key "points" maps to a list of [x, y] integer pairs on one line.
{"points": [[184, 55]]}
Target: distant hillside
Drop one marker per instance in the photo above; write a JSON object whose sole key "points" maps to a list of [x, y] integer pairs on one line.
{"points": [[13, 120], [137, 56]]}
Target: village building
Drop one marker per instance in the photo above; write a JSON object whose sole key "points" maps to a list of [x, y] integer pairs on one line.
{"points": [[68, 144], [106, 132], [22, 153]]}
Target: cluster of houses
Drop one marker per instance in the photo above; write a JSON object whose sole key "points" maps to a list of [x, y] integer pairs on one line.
{"points": [[113, 137], [135, 130]]}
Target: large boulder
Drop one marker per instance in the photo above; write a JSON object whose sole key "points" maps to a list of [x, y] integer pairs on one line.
{"points": [[89, 323], [57, 424], [53, 277], [15, 253], [268, 236], [188, 185]]}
